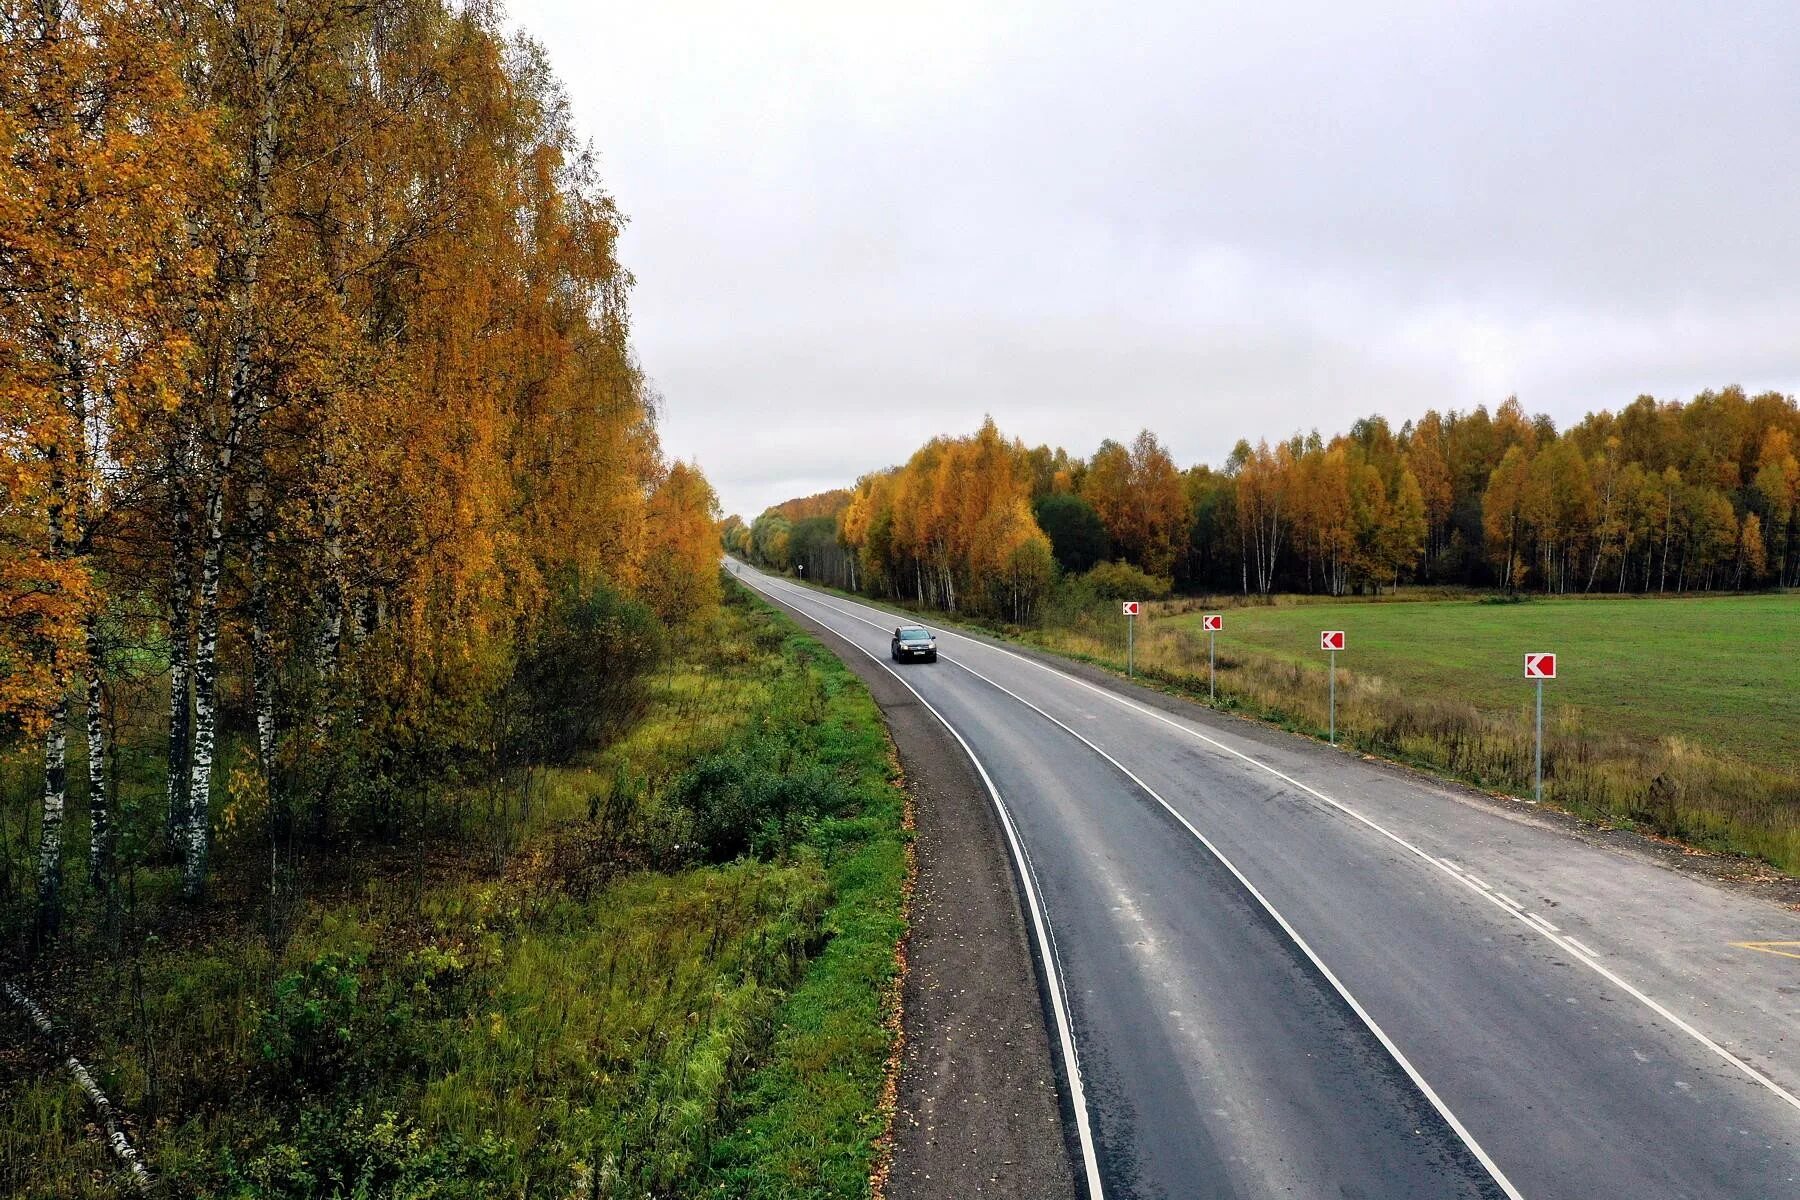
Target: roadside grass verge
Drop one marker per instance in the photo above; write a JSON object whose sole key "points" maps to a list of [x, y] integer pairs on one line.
{"points": [[677, 978], [1621, 769]]}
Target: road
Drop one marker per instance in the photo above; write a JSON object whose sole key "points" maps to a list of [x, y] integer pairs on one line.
{"points": [[1276, 969]]}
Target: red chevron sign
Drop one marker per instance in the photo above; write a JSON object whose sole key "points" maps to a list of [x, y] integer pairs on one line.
{"points": [[1540, 666], [1131, 608], [1331, 639], [1212, 622]]}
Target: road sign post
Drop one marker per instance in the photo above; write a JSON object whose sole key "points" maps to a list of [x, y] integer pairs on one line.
{"points": [[1332, 640], [1539, 667], [1131, 612], [1212, 623]]}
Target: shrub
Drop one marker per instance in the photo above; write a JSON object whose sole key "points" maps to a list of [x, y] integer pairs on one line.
{"points": [[748, 799], [351, 1153], [580, 678], [1122, 581]]}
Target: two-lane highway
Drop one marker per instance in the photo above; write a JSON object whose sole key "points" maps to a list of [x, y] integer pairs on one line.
{"points": [[1276, 970]]}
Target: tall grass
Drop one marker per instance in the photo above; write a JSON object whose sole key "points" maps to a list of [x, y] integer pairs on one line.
{"points": [[610, 1009]]}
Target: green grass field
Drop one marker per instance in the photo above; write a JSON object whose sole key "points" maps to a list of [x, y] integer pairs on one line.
{"points": [[1721, 672]]}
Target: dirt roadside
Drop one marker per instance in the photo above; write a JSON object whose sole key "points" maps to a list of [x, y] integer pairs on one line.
{"points": [[978, 1111]]}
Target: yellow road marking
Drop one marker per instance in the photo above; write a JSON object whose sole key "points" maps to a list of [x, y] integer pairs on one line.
{"points": [[1784, 949]]}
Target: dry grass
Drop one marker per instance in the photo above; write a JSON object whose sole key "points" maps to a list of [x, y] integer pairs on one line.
{"points": [[1669, 786]]}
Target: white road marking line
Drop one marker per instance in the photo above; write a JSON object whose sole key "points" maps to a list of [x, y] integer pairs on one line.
{"points": [[1509, 902], [1587, 958], [1579, 946], [1394, 1051], [1541, 923], [1040, 924], [1480, 883]]}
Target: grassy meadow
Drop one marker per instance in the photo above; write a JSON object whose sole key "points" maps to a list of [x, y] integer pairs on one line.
{"points": [[668, 970], [1721, 672]]}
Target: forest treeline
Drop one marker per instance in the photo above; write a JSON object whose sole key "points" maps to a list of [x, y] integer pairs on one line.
{"points": [[322, 446], [1662, 496]]}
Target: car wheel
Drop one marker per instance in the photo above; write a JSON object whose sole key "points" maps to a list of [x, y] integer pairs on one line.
{"points": [[932, 657]]}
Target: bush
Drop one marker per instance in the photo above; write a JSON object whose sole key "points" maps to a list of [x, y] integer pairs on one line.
{"points": [[352, 1154], [580, 678], [1122, 581], [748, 799], [309, 1035]]}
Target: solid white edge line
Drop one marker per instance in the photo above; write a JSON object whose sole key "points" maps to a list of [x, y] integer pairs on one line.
{"points": [[1387, 1043], [1586, 957], [1579, 946], [1394, 1051], [1040, 923]]}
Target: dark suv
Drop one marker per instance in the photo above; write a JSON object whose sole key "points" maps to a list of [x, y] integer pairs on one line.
{"points": [[914, 641]]}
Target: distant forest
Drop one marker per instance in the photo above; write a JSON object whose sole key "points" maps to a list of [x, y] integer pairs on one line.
{"points": [[1662, 496]]}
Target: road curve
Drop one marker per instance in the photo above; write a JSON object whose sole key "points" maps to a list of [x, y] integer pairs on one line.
{"points": [[1283, 971]]}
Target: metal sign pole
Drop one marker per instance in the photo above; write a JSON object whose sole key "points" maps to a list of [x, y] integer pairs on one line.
{"points": [[1538, 776], [1334, 697], [1130, 644], [1212, 666]]}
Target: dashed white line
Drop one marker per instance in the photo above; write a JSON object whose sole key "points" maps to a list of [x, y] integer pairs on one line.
{"points": [[1541, 923]]}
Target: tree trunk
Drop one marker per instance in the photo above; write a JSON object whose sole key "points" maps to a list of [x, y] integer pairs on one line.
{"points": [[262, 637], [56, 772], [331, 616], [181, 648], [242, 411], [100, 830], [50, 840], [206, 681]]}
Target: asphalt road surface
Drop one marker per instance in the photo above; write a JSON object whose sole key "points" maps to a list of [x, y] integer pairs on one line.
{"points": [[1276, 969]]}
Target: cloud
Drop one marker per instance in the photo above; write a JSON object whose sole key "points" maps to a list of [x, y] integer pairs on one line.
{"points": [[853, 227]]}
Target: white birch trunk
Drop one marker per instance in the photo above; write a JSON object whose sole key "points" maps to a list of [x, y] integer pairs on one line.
{"points": [[206, 681], [116, 1139], [242, 412], [181, 648], [50, 839], [56, 766], [100, 830]]}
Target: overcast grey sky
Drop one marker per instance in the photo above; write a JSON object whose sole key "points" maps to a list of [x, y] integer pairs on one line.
{"points": [[854, 226]]}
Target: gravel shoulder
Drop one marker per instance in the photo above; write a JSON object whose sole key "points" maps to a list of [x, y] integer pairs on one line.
{"points": [[979, 1110]]}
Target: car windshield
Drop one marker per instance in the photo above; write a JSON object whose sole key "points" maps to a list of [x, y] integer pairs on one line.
{"points": [[913, 633]]}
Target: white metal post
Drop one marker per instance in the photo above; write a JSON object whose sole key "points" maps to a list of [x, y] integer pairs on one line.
{"points": [[1212, 666], [1538, 775], [1130, 644], [1334, 697]]}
